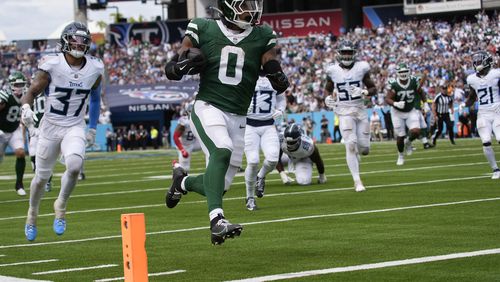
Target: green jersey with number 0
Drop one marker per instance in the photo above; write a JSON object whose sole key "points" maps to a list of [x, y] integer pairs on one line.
{"points": [[233, 62], [10, 116], [407, 93]]}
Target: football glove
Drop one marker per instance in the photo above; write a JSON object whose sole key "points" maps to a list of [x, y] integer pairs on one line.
{"points": [[184, 153], [90, 138], [277, 114], [279, 81], [285, 178], [322, 178], [357, 92], [27, 115], [330, 102], [187, 64], [399, 105]]}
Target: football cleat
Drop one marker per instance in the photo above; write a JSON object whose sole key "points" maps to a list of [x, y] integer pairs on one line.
{"points": [[21, 192], [30, 231], [222, 229], [48, 187], [250, 203], [496, 174], [427, 146], [260, 186], [59, 226], [174, 194], [359, 187], [400, 161], [81, 176]]}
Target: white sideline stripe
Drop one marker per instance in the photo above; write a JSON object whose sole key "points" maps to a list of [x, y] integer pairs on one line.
{"points": [[369, 266], [28, 262], [149, 275], [2, 256], [74, 269], [15, 279], [267, 195], [259, 222]]}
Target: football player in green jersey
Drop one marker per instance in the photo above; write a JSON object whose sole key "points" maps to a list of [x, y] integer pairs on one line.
{"points": [[233, 50], [404, 93], [11, 133]]}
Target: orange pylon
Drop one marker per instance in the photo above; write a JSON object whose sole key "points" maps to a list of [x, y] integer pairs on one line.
{"points": [[135, 259]]}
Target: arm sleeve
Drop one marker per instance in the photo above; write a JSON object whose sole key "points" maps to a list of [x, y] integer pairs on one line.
{"points": [[95, 106]]}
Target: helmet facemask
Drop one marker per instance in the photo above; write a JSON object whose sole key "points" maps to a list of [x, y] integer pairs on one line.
{"points": [[346, 56], [77, 45], [242, 13], [292, 144], [18, 84], [482, 62]]}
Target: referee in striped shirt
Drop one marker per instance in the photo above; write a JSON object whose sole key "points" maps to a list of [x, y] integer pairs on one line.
{"points": [[442, 107]]}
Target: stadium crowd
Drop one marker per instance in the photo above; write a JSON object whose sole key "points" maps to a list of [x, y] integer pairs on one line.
{"points": [[441, 48]]}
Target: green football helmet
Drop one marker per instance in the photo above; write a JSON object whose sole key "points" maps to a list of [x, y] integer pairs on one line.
{"points": [[18, 83], [403, 72], [242, 13]]}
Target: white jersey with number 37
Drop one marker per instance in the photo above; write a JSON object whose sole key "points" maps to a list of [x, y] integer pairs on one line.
{"points": [[343, 79], [263, 100], [69, 88], [487, 89]]}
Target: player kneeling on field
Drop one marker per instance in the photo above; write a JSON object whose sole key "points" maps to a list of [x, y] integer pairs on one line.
{"points": [[302, 153]]}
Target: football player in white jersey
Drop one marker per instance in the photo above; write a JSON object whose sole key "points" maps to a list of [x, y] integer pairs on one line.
{"points": [[266, 107], [345, 88], [185, 140], [302, 153], [67, 79], [484, 87]]}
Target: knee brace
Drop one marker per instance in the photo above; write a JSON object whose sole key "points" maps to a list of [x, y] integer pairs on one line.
{"points": [[487, 144], [364, 150]]}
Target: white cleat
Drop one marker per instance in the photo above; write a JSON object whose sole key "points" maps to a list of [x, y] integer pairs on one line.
{"points": [[401, 160], [359, 187], [496, 174], [21, 192]]}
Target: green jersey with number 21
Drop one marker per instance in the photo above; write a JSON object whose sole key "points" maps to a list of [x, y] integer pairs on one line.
{"points": [[233, 62]]}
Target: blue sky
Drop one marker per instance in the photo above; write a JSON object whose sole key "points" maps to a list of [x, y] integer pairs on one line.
{"points": [[36, 19]]}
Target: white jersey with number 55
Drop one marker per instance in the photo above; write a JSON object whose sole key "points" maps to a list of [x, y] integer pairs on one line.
{"points": [[487, 89], [69, 88], [305, 149], [343, 79]]}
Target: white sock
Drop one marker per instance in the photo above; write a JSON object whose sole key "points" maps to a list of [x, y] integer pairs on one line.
{"points": [[490, 156], [215, 212], [266, 168], [353, 164], [183, 185], [424, 140], [250, 179], [36, 192], [68, 183]]}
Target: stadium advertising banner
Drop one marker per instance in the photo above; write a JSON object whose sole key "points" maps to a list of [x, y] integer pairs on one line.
{"points": [[155, 33], [149, 97], [441, 6], [304, 23]]}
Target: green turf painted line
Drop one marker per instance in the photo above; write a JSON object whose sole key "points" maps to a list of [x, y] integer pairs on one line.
{"points": [[15, 279], [259, 222], [28, 262], [150, 275], [370, 266], [74, 269]]}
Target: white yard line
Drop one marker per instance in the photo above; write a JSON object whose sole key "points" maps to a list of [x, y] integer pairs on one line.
{"points": [[15, 279], [370, 266], [150, 275], [261, 222], [28, 262], [74, 269]]}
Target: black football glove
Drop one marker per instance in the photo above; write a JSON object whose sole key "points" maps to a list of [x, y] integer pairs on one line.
{"points": [[187, 64], [279, 81]]}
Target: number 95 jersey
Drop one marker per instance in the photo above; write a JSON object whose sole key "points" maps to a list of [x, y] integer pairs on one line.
{"points": [[343, 79], [305, 149], [233, 62], [69, 88], [487, 89]]}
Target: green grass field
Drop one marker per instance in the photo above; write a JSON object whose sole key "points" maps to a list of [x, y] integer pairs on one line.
{"points": [[441, 209]]}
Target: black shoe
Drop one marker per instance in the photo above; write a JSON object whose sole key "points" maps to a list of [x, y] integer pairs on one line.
{"points": [[222, 229], [175, 192], [260, 185], [453, 142], [427, 146], [81, 176]]}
